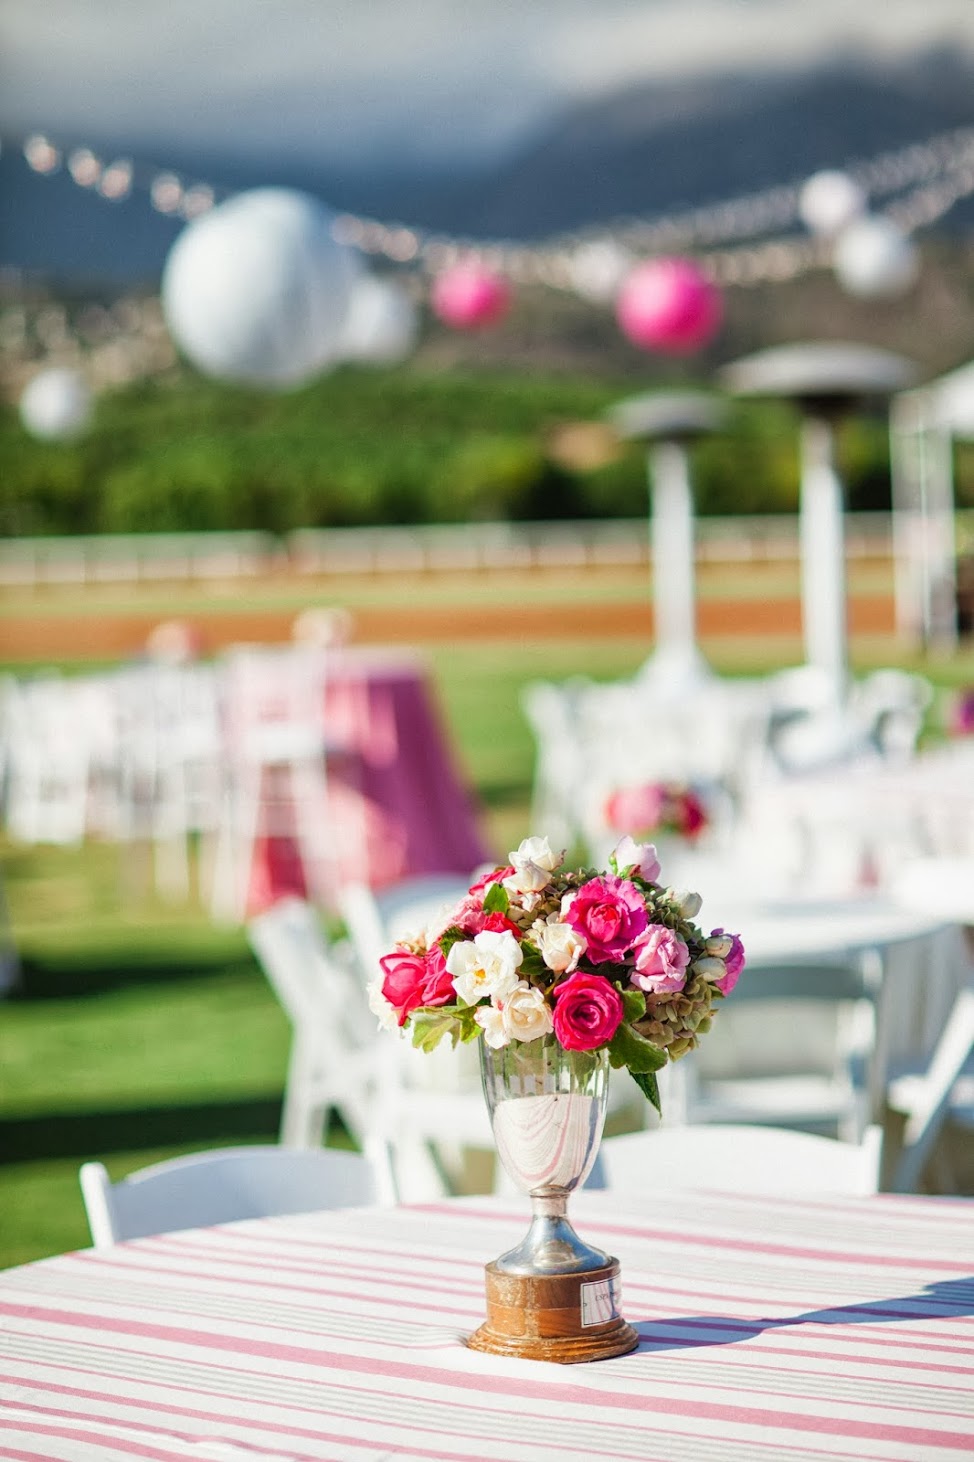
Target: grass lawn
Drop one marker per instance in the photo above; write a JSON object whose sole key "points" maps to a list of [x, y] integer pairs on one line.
{"points": [[142, 1030]]}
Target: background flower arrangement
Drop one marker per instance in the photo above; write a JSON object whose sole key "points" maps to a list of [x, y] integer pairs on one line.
{"points": [[589, 959], [657, 807]]}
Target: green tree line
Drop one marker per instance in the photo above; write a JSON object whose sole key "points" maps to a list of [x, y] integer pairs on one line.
{"points": [[177, 452]]}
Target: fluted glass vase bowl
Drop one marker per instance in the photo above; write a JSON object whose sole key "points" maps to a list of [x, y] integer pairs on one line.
{"points": [[547, 1110]]}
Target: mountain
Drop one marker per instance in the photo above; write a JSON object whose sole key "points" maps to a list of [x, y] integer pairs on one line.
{"points": [[640, 152]]}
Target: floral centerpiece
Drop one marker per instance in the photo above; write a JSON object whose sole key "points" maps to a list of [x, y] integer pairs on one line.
{"points": [[597, 960], [650, 808]]}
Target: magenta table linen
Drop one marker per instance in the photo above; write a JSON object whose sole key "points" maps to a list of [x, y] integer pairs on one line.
{"points": [[770, 1329]]}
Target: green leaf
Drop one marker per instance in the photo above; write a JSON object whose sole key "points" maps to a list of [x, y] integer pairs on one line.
{"points": [[428, 1031], [533, 965], [633, 1004], [449, 938], [498, 900], [649, 1086], [629, 1048]]}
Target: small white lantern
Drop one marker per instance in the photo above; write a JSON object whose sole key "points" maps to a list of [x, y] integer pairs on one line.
{"points": [[874, 257], [382, 322], [829, 201], [56, 404], [257, 289]]}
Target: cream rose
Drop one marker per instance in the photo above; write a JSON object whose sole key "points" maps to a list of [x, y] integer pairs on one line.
{"points": [[491, 1021], [485, 966], [560, 946], [525, 1014]]}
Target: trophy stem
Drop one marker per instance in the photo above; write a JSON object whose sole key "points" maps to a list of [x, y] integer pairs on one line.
{"points": [[551, 1245]]}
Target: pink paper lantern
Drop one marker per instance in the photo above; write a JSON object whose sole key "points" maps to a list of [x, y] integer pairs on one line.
{"points": [[669, 305], [470, 295]]}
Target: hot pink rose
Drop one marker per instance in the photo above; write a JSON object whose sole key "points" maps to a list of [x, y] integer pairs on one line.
{"points": [[611, 915], [734, 961], [693, 815], [588, 1011], [413, 981], [661, 961]]}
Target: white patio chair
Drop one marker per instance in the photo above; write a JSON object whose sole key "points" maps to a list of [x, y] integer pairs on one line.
{"points": [[741, 1159], [227, 1184], [551, 712], [334, 1058], [931, 1099], [791, 1047]]}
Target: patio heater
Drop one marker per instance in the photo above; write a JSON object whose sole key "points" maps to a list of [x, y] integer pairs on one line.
{"points": [[827, 381], [668, 422]]}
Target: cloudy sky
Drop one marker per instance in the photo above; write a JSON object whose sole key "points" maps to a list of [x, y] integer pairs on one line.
{"points": [[398, 80]]}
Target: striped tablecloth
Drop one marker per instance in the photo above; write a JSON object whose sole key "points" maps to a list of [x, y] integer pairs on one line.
{"points": [[770, 1329]]}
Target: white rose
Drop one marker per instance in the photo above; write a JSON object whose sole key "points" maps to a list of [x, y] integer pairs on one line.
{"points": [[641, 856], [719, 944], [533, 863], [491, 1021], [537, 850], [560, 946], [381, 1007], [525, 1014], [485, 965]]}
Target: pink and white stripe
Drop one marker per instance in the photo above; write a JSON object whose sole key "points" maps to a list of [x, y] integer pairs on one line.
{"points": [[769, 1328]]}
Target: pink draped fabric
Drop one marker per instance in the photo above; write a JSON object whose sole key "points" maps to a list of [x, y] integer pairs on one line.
{"points": [[397, 804]]}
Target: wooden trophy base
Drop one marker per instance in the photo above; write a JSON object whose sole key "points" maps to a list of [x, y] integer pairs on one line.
{"points": [[561, 1317]]}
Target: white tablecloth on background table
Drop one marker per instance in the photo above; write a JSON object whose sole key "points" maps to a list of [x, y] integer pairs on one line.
{"points": [[769, 1328]]}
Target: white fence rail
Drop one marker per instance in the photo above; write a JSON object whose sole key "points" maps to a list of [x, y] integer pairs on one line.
{"points": [[138, 558]]}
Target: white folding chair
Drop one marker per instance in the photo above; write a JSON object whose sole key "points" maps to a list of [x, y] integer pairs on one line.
{"points": [[47, 760], [929, 1099], [376, 918], [334, 1060], [791, 1047], [429, 1105], [741, 1159], [273, 707], [227, 1184]]}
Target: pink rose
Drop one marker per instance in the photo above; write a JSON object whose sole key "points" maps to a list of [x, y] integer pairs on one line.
{"points": [[495, 875], [734, 961], [471, 916], [661, 961], [413, 981], [588, 1011], [611, 915], [635, 809]]}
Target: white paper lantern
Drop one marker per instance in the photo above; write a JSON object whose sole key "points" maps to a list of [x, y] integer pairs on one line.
{"points": [[56, 404], [829, 201], [874, 257], [598, 268], [257, 290], [382, 322]]}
